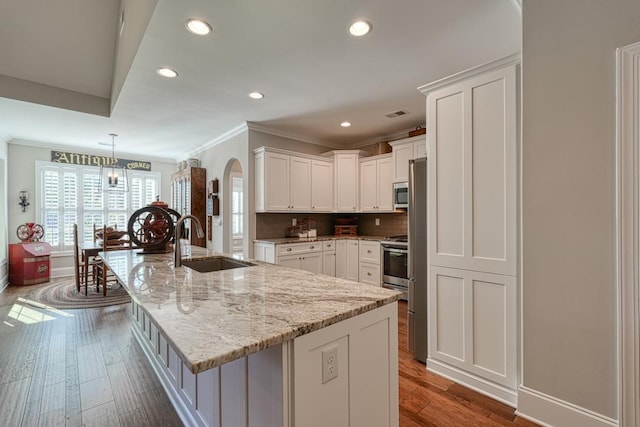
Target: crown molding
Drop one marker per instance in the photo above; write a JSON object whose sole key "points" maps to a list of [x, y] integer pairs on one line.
{"points": [[513, 59], [220, 139], [98, 151], [290, 135]]}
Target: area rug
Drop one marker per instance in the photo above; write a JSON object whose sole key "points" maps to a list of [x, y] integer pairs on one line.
{"points": [[61, 293]]}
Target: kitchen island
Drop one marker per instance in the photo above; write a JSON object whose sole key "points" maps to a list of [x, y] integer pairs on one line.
{"points": [[264, 345]]}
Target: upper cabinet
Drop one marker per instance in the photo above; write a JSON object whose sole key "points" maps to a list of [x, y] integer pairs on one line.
{"points": [[376, 184], [473, 172], [346, 180], [292, 183], [405, 150], [321, 186]]}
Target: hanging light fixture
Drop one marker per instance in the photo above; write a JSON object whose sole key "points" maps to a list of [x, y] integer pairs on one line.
{"points": [[113, 177]]}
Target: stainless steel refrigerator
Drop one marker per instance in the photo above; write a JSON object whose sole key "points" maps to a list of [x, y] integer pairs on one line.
{"points": [[417, 295]]}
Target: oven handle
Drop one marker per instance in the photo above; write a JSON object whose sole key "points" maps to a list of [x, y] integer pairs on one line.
{"points": [[397, 251]]}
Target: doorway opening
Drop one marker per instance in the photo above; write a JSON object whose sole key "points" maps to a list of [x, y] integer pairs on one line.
{"points": [[235, 209]]}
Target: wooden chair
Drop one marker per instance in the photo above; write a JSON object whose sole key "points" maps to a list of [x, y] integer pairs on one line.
{"points": [[82, 266], [105, 277]]}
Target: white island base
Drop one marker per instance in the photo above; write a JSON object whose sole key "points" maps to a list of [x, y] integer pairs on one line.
{"points": [[283, 384]]}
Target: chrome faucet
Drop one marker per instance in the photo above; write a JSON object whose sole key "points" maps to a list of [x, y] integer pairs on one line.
{"points": [[177, 258]]}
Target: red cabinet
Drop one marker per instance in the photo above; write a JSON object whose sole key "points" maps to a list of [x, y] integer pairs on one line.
{"points": [[29, 263]]}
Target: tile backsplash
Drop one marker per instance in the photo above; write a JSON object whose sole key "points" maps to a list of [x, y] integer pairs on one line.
{"points": [[274, 225]]}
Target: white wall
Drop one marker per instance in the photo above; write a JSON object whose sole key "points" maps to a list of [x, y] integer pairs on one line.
{"points": [[569, 293], [216, 160], [21, 175]]}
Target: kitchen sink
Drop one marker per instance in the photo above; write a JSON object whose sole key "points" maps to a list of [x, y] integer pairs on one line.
{"points": [[206, 265]]}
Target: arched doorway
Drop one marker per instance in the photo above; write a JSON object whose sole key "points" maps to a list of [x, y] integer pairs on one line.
{"points": [[234, 211]]}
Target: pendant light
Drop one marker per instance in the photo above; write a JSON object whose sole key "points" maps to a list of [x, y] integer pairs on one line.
{"points": [[113, 176]]}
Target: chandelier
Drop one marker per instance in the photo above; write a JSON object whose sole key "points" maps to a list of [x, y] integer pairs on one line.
{"points": [[113, 175]]}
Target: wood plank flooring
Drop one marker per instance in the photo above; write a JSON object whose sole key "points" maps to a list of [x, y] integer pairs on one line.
{"points": [[84, 368], [427, 399]]}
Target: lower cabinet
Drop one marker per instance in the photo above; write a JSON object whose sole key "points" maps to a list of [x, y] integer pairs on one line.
{"points": [[473, 329], [369, 262], [352, 259], [284, 385], [347, 257], [329, 258], [309, 261]]}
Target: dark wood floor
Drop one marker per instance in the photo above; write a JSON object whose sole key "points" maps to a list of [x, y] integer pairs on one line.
{"points": [[84, 368], [427, 399]]}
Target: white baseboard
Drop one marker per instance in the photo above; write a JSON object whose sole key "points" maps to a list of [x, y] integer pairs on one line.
{"points": [[474, 382], [62, 272], [550, 411]]}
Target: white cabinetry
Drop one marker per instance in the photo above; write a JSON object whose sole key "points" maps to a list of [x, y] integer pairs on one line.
{"points": [[369, 262], [376, 184], [264, 251], [473, 179], [321, 186], [405, 150], [305, 256], [292, 183], [347, 257], [329, 258], [346, 181]]}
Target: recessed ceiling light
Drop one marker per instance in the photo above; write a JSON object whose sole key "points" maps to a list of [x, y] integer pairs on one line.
{"points": [[360, 28], [345, 124], [167, 72], [256, 95], [198, 26]]}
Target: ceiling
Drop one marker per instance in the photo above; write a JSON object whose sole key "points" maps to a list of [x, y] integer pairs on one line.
{"points": [[70, 74]]}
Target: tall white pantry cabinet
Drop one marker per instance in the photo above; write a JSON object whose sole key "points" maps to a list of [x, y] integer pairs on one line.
{"points": [[472, 132]]}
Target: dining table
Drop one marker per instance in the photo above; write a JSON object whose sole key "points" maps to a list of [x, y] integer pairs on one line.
{"points": [[90, 249]]}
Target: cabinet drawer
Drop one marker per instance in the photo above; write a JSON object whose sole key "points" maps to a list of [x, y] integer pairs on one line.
{"points": [[298, 248], [370, 252], [369, 273], [329, 246]]}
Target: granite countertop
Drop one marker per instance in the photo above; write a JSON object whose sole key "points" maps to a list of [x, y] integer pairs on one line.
{"points": [[214, 318], [286, 240]]}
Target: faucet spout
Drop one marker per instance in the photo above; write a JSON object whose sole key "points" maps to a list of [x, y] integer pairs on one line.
{"points": [[177, 257]]}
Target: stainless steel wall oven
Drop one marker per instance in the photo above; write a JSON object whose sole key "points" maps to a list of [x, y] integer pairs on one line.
{"points": [[395, 264]]}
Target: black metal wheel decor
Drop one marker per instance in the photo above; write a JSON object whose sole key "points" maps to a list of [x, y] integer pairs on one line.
{"points": [[151, 228]]}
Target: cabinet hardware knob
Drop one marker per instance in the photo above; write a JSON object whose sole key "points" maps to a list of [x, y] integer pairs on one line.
{"points": [[368, 251], [311, 247], [368, 274], [288, 249]]}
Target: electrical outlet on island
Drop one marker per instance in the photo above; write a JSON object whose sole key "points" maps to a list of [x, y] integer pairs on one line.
{"points": [[329, 364]]}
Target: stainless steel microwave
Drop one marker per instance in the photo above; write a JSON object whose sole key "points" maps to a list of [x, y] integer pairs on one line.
{"points": [[401, 195]]}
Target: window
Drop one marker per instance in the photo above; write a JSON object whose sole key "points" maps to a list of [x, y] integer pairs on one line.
{"points": [[236, 205], [69, 194]]}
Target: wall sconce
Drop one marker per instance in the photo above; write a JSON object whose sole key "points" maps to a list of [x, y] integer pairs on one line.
{"points": [[24, 200]]}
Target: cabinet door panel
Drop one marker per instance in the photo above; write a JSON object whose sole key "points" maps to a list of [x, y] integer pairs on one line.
{"points": [[472, 322], [312, 262], [321, 186], [277, 177], [385, 184], [346, 182], [401, 156], [472, 182], [300, 184], [368, 186], [292, 261], [448, 221], [329, 263]]}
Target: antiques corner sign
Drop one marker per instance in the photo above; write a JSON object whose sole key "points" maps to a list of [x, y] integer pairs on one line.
{"points": [[91, 160]]}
